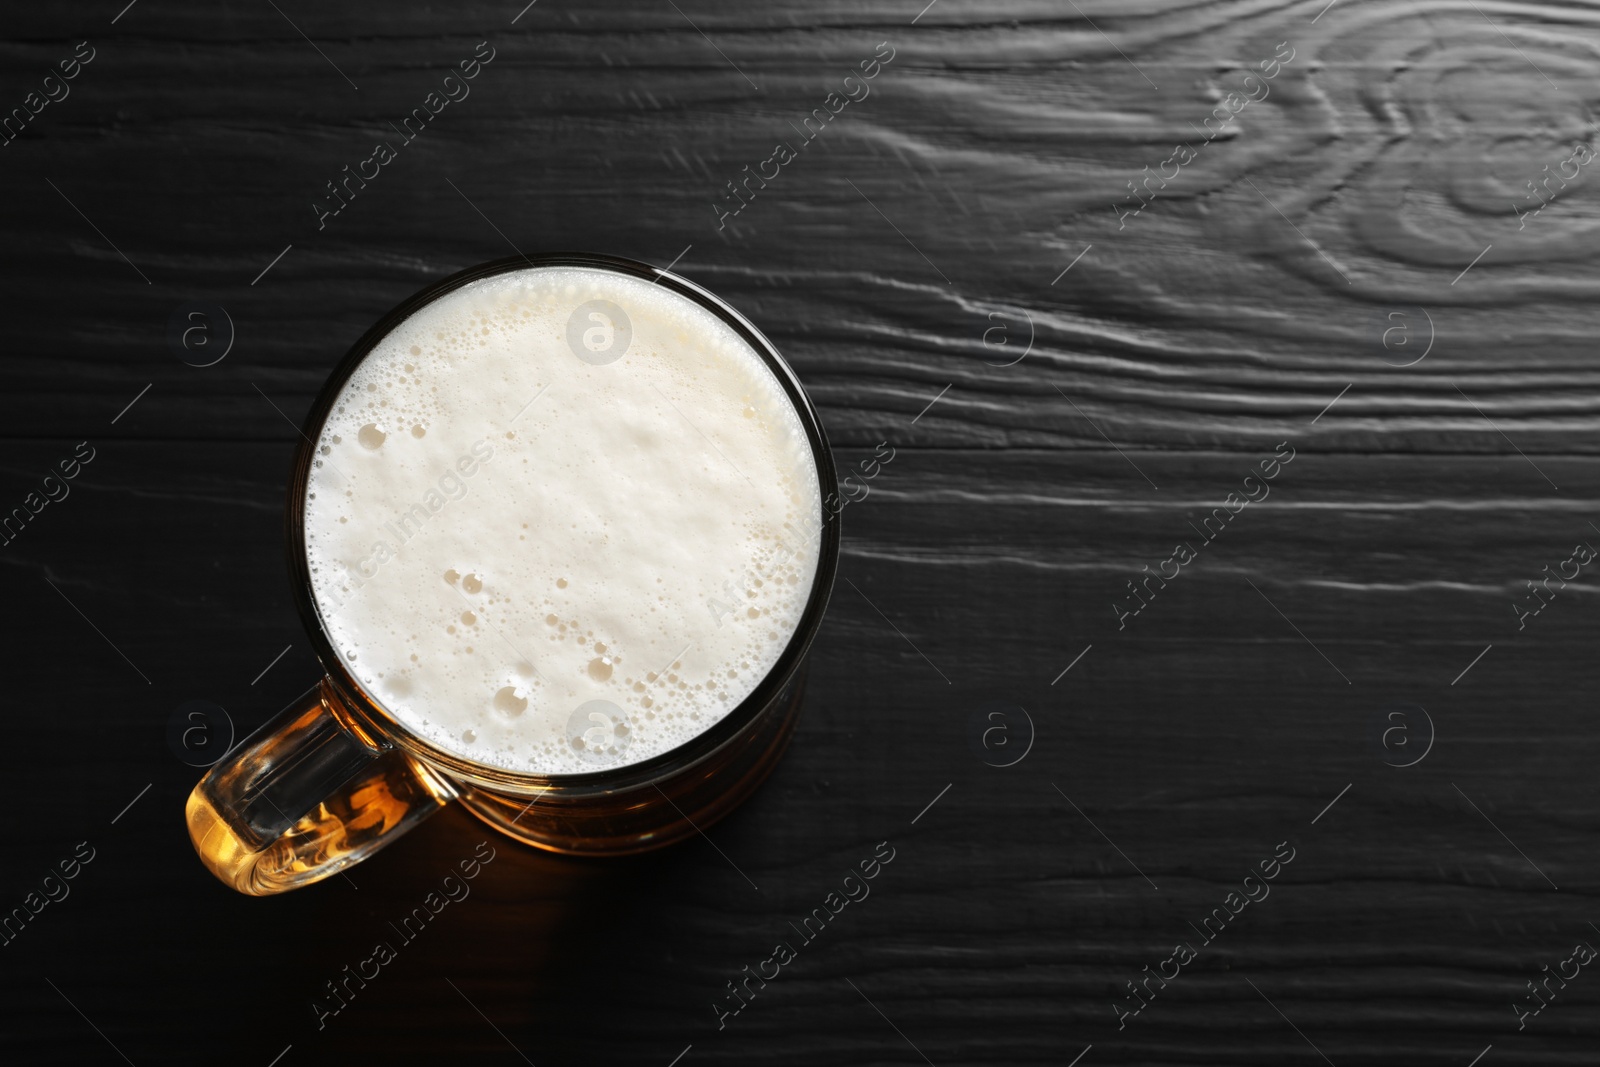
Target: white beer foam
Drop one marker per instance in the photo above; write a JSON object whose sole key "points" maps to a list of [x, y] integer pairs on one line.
{"points": [[640, 540]]}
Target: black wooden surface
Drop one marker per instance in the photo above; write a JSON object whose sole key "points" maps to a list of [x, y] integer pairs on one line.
{"points": [[903, 262]]}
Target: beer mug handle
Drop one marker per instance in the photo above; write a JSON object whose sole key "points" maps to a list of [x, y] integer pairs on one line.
{"points": [[310, 793]]}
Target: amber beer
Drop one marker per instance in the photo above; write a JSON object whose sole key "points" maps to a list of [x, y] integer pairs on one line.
{"points": [[560, 543]]}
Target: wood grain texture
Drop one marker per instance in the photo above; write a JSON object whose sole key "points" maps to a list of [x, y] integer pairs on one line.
{"points": [[887, 261], [997, 143]]}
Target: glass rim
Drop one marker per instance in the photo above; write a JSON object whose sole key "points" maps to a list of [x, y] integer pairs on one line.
{"points": [[690, 752]]}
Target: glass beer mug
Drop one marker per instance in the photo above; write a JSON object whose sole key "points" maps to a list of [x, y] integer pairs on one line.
{"points": [[350, 767]]}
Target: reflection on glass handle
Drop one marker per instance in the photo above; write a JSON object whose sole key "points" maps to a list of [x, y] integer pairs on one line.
{"points": [[307, 795]]}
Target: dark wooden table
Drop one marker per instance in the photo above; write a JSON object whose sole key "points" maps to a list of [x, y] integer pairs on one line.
{"points": [[1079, 338]]}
